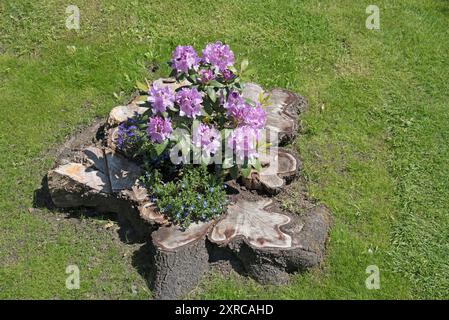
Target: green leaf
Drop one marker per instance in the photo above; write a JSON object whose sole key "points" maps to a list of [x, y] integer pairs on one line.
{"points": [[217, 84], [228, 163], [244, 65], [142, 99], [257, 165], [234, 171], [246, 171], [160, 148], [212, 94], [141, 86], [250, 102], [233, 69]]}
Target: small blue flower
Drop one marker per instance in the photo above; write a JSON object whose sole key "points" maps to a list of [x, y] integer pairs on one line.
{"points": [[204, 204], [183, 185], [192, 207], [225, 186], [199, 197], [212, 189]]}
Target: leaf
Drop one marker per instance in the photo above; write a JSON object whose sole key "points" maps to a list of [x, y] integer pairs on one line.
{"points": [[212, 94], [141, 86], [250, 102], [173, 108], [228, 163], [244, 65], [173, 73], [160, 148], [257, 165], [246, 171], [234, 171], [233, 69], [217, 84], [143, 98]]}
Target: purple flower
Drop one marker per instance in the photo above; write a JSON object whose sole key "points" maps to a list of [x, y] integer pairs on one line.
{"points": [[159, 129], [243, 141], [234, 103], [207, 75], [207, 138], [228, 75], [184, 58], [218, 55], [189, 101], [255, 117], [244, 113], [127, 134], [161, 98]]}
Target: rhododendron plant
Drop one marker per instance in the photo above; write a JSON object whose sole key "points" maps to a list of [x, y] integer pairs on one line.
{"points": [[199, 117], [204, 111]]}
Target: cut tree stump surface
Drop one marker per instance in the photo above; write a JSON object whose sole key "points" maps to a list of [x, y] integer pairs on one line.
{"points": [[250, 220], [269, 242]]}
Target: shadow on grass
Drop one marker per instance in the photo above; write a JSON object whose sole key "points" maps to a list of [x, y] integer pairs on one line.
{"points": [[127, 234]]}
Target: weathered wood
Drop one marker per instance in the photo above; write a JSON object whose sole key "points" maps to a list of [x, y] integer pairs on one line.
{"points": [[283, 111], [122, 172], [180, 259], [250, 220], [272, 244], [74, 185], [279, 167], [120, 114]]}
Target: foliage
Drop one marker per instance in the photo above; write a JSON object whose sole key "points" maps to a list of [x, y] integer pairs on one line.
{"points": [[206, 119], [196, 195]]}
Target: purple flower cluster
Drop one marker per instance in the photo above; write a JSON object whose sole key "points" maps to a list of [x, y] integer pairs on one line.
{"points": [[212, 71], [243, 141], [159, 129], [255, 117], [228, 75], [207, 138], [234, 103], [161, 98], [127, 134], [206, 76], [219, 55], [184, 59], [189, 101], [244, 113]]}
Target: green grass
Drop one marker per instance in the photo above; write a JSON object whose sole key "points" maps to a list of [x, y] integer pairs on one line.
{"points": [[375, 144]]}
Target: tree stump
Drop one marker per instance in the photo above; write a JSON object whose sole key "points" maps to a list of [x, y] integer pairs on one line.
{"points": [[269, 242], [180, 259]]}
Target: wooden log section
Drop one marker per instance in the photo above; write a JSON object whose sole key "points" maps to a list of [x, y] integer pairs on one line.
{"points": [[272, 244], [180, 259]]}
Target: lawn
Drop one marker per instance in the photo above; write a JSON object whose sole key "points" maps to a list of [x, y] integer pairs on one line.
{"points": [[375, 139]]}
